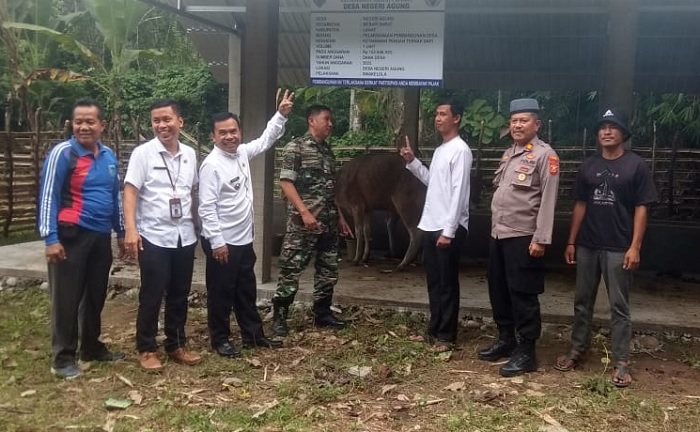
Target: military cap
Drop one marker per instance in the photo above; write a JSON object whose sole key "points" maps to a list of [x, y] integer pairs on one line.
{"points": [[524, 105]]}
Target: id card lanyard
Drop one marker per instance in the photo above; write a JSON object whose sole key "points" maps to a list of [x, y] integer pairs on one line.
{"points": [[175, 204]]}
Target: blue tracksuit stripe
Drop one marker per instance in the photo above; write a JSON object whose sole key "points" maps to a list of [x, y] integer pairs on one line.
{"points": [[53, 173]]}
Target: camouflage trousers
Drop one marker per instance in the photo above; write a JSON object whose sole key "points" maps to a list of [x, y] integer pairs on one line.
{"points": [[297, 250]]}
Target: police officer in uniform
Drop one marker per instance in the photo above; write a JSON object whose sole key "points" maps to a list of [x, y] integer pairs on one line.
{"points": [[307, 179], [522, 215]]}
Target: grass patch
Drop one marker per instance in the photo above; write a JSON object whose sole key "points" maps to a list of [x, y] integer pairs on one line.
{"points": [[308, 385], [19, 237]]}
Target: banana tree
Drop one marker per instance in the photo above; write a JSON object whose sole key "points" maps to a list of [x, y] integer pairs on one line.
{"points": [[117, 22], [27, 58]]}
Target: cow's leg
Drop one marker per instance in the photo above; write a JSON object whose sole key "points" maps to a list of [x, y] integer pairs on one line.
{"points": [[367, 234], [359, 219], [416, 237], [390, 221]]}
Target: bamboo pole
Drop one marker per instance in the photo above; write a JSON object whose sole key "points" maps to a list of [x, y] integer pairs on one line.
{"points": [[653, 152], [9, 176], [35, 150]]}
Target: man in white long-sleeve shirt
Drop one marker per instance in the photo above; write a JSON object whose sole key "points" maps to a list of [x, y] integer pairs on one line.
{"points": [[226, 213], [445, 221]]}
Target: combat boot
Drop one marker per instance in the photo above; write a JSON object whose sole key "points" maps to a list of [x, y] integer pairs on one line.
{"points": [[280, 312], [501, 347], [323, 316], [522, 361]]}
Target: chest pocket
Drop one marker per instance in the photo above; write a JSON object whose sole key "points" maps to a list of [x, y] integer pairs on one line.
{"points": [[524, 176], [498, 175]]}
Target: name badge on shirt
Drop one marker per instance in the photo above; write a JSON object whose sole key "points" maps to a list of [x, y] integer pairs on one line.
{"points": [[175, 208]]}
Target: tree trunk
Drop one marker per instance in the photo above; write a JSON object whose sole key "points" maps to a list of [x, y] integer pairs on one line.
{"points": [[355, 120]]}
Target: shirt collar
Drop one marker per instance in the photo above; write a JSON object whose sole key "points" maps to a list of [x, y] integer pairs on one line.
{"points": [[82, 151], [217, 150], [161, 148]]}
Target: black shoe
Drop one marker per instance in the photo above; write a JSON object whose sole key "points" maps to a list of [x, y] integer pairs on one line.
{"points": [[227, 350], [104, 356], [499, 349], [330, 321], [522, 361], [279, 319], [262, 342]]}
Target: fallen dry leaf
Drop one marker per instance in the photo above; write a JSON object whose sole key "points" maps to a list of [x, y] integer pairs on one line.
{"points": [[265, 408], [135, 397], [109, 423], [456, 386], [555, 425], [125, 380], [403, 398], [28, 393], [98, 380], [533, 393], [296, 362], [387, 388], [254, 362], [360, 371], [232, 382]]}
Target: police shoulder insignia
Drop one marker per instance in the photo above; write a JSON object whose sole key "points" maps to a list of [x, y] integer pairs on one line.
{"points": [[553, 165]]}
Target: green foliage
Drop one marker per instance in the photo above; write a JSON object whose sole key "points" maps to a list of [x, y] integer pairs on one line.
{"points": [[481, 119], [677, 117], [363, 138], [123, 47]]}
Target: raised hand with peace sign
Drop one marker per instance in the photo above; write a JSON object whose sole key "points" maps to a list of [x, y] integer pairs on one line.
{"points": [[407, 152], [286, 104]]}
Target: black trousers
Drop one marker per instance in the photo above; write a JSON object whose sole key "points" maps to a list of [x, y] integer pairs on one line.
{"points": [[515, 281], [442, 276], [83, 276], [232, 286], [164, 272]]}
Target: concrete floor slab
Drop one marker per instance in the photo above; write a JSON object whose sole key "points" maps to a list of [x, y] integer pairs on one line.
{"points": [[658, 304]]}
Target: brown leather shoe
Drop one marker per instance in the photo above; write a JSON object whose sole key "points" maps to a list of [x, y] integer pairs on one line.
{"points": [[181, 355], [149, 362]]}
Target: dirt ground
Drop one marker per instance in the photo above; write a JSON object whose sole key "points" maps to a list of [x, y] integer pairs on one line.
{"points": [[316, 382]]}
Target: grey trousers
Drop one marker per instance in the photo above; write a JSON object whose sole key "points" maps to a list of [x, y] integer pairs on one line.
{"points": [[590, 265]]}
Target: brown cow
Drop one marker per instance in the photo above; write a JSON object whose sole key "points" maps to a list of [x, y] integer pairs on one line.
{"points": [[381, 182]]}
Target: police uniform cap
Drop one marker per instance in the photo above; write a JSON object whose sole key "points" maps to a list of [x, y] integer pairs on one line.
{"points": [[524, 105]]}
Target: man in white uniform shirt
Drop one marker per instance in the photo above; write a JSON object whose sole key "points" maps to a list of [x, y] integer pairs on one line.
{"points": [[160, 208], [444, 220], [226, 212]]}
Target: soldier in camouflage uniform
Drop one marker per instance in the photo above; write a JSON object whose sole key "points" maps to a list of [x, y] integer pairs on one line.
{"points": [[307, 179]]}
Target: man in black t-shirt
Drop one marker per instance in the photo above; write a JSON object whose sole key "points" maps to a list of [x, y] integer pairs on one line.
{"points": [[612, 192]]}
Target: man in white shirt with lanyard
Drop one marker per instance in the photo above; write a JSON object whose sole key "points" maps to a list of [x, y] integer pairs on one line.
{"points": [[226, 212], [160, 208], [445, 222]]}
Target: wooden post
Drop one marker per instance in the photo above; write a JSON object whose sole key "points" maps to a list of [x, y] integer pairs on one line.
{"points": [[653, 152], [35, 153], [9, 177], [198, 143]]}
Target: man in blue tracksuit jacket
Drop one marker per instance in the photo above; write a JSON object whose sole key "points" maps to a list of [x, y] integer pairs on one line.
{"points": [[79, 206]]}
